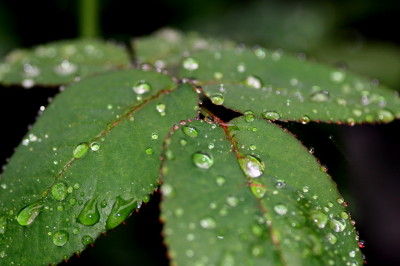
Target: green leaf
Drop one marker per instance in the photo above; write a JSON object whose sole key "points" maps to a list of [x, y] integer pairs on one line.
{"points": [[61, 62], [281, 87], [248, 193], [88, 162], [165, 48]]}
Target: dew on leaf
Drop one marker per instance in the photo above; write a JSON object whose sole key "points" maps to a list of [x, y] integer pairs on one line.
{"points": [[103, 203], [31, 71], [241, 68], [385, 115], [260, 52], [120, 211], [258, 189], [280, 209], [29, 213], [220, 180], [320, 96], [352, 254], [149, 151], [337, 225], [305, 119], [167, 190], [208, 223], [253, 147], [202, 160], [72, 202], [271, 115], [87, 240], [251, 166], [344, 215], [257, 251], [232, 201], [161, 108], [249, 116], [3, 224], [319, 218], [94, 146], [217, 99], [337, 76], [190, 64], [60, 238], [59, 191], [28, 83], [90, 214], [253, 81], [154, 136], [190, 131], [280, 184], [80, 150], [65, 68], [218, 75], [141, 87], [332, 239], [306, 189]]}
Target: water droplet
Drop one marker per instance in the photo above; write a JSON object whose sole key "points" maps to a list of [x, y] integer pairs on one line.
{"points": [[232, 201], [217, 99], [120, 211], [331, 238], [280, 209], [337, 76], [306, 189], [338, 225], [190, 64], [72, 202], [260, 52], [344, 215], [202, 160], [208, 223], [28, 214], [251, 166], [320, 96], [249, 116], [87, 240], [340, 200], [94, 146], [220, 180], [385, 115], [59, 191], [90, 214], [305, 120], [161, 108], [271, 115], [3, 254], [218, 75], [141, 87], [253, 81], [80, 150], [258, 189], [167, 190], [3, 224], [149, 151], [280, 184], [257, 251], [253, 147], [28, 83], [60, 238], [241, 68], [103, 203], [190, 131], [352, 254], [319, 218], [31, 71], [65, 68], [154, 136]]}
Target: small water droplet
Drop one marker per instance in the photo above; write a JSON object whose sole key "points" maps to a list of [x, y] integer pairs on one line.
{"points": [[331, 238], [320, 96], [29, 213], [149, 151], [208, 223], [154, 136], [337, 76], [280, 209], [251, 166], [385, 115], [241, 68], [232, 201], [257, 250], [141, 87], [3, 224], [167, 190], [120, 211], [59, 191], [217, 99], [338, 225], [344, 215], [60, 238], [161, 109], [253, 81], [94, 146], [260, 52], [190, 131], [271, 115], [306, 189], [65, 68], [319, 218], [28, 83], [103, 203], [352, 254], [305, 119], [87, 240], [80, 150], [202, 160], [218, 75], [249, 116], [220, 180], [258, 189], [90, 214], [190, 64], [280, 184]]}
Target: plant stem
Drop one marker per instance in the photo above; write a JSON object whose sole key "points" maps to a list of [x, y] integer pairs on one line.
{"points": [[88, 18]]}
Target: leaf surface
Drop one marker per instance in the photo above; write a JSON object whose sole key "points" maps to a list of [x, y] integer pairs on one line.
{"points": [[275, 208], [281, 87], [88, 162], [61, 62]]}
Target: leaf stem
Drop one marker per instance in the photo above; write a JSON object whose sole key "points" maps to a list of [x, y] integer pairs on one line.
{"points": [[88, 18]]}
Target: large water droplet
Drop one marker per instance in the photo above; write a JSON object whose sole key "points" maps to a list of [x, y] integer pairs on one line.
{"points": [[190, 131], [202, 160], [208, 223], [3, 224], [385, 115], [319, 218], [271, 115], [59, 191], [319, 96], [217, 99], [80, 150], [258, 189], [90, 214], [280, 209], [190, 64], [141, 87], [253, 81], [120, 211], [251, 166], [60, 238], [338, 225], [29, 213]]}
